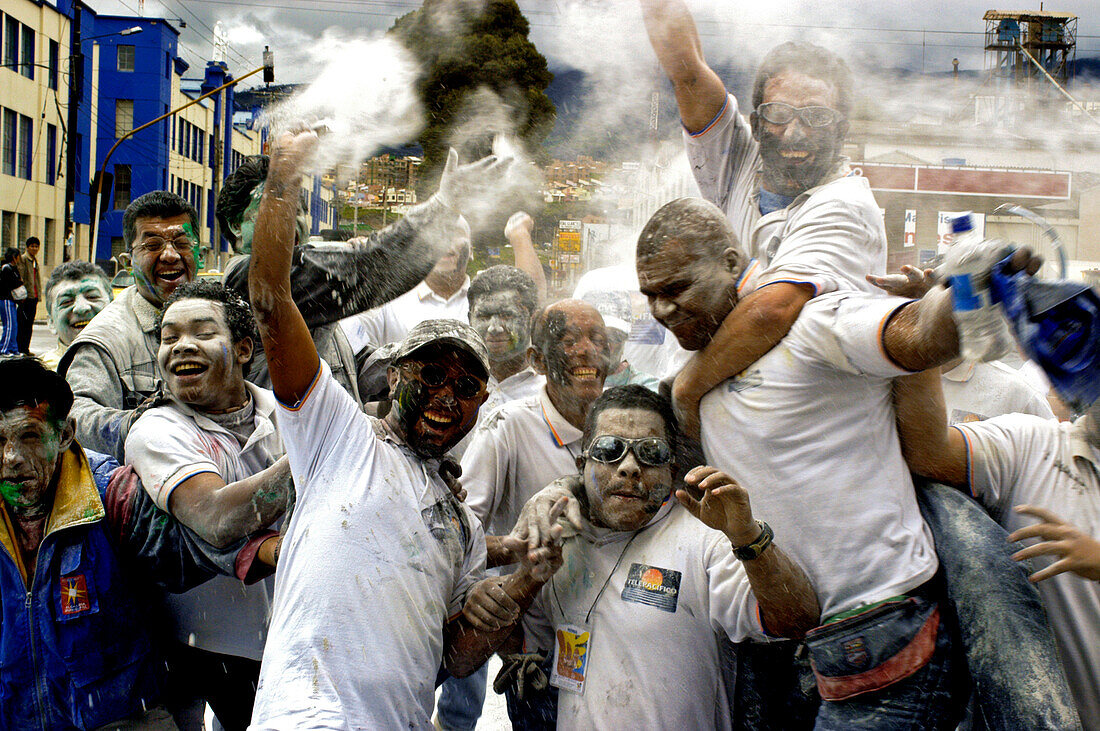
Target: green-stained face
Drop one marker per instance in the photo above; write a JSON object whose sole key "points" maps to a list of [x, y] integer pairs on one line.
{"points": [[73, 303], [31, 445], [163, 256], [245, 228], [503, 323]]}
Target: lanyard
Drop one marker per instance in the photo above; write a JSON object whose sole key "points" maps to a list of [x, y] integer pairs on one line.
{"points": [[603, 586]]}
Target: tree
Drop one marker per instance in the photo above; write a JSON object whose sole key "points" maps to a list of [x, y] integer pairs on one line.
{"points": [[481, 75]]}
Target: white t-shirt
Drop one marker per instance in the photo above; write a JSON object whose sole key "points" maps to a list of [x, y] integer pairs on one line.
{"points": [[829, 237], [809, 431], [652, 655], [167, 446], [391, 322], [978, 391], [520, 448], [378, 555], [651, 348], [1020, 459]]}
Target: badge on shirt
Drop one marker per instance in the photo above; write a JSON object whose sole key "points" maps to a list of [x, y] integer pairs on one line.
{"points": [[572, 651], [651, 585], [74, 596]]}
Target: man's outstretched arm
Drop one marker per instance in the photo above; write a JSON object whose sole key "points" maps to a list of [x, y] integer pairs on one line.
{"points": [[700, 94], [292, 358]]}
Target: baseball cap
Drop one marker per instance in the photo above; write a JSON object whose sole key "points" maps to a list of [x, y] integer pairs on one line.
{"points": [[452, 332]]}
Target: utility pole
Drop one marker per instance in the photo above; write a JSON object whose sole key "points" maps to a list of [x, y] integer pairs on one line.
{"points": [[76, 96]]}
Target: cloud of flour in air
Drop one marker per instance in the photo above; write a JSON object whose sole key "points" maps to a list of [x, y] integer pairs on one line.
{"points": [[364, 94]]}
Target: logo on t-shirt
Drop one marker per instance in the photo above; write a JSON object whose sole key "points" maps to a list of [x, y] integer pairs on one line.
{"points": [[654, 586], [74, 595], [745, 380]]}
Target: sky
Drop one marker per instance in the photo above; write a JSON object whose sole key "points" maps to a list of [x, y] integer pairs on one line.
{"points": [[907, 34]]}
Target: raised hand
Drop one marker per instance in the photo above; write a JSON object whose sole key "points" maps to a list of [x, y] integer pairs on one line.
{"points": [[475, 181], [291, 154], [1077, 551], [724, 507], [541, 512], [519, 224]]}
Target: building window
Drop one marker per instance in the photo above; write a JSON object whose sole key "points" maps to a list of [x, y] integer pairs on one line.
{"points": [[122, 187], [125, 58], [7, 229], [28, 52], [53, 64], [10, 123], [117, 247], [167, 65], [11, 43], [51, 154], [26, 146], [124, 117], [167, 127], [48, 239], [24, 228]]}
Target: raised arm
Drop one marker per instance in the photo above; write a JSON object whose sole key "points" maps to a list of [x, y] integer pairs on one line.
{"points": [[788, 604], [518, 232], [292, 358], [221, 513], [700, 94]]}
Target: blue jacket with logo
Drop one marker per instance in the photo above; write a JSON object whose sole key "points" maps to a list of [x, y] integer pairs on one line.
{"points": [[76, 650]]}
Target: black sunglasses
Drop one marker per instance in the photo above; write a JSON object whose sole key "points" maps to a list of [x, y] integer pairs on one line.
{"points": [[434, 376], [651, 451], [780, 113]]}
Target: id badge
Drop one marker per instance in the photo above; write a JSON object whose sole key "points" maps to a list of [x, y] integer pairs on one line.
{"points": [[572, 652]]}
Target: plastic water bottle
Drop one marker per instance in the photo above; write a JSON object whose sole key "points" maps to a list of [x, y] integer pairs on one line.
{"points": [[983, 334]]}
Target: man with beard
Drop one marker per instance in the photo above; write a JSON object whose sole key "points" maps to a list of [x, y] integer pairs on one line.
{"points": [[112, 365], [209, 456], [358, 642], [811, 225], [75, 293], [643, 587]]}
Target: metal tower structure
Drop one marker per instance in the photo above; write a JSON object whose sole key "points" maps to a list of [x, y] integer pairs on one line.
{"points": [[1021, 45]]}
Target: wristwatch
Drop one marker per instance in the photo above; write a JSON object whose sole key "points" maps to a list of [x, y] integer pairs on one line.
{"points": [[754, 549]]}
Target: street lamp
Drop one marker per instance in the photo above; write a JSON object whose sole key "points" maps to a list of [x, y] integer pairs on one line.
{"points": [[269, 75]]}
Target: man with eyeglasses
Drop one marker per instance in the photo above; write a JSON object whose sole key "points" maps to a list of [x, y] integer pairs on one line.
{"points": [[630, 616], [811, 225]]}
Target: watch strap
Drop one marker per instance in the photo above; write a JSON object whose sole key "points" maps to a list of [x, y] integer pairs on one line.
{"points": [[754, 549]]}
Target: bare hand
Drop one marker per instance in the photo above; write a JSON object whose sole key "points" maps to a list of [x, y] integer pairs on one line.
{"points": [[724, 507], [475, 181], [519, 224], [912, 283], [488, 607], [290, 155], [541, 512], [1078, 552]]}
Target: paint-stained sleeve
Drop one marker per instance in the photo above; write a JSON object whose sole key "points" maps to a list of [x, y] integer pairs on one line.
{"points": [[166, 452], [98, 400], [720, 153], [473, 565], [485, 468], [844, 330], [332, 281], [996, 450]]}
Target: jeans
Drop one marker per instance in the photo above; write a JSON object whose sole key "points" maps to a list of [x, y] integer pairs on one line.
{"points": [[931, 698], [197, 677], [1017, 677], [26, 312], [538, 711], [769, 685], [461, 701]]}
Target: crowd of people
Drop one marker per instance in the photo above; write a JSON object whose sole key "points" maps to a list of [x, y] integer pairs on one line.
{"points": [[744, 482]]}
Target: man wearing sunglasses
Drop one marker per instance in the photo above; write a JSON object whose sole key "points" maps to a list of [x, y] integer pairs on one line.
{"points": [[779, 176], [643, 586], [377, 559]]}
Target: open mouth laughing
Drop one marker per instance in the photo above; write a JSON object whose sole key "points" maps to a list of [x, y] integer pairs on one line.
{"points": [[185, 371], [795, 155], [171, 276], [80, 324], [584, 373]]}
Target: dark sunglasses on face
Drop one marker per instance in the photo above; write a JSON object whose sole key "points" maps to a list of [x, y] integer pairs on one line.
{"points": [[434, 376], [780, 113], [651, 451]]}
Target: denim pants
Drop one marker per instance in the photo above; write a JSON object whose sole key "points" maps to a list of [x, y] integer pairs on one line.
{"points": [[1017, 678], [461, 700]]}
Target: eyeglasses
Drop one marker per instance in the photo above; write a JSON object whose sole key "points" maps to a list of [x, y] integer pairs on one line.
{"points": [[155, 245], [434, 376], [780, 113], [652, 451]]}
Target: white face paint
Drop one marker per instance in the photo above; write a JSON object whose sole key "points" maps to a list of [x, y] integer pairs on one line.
{"points": [[202, 365], [73, 303]]}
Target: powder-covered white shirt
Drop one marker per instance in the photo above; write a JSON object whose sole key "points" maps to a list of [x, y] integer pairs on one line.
{"points": [[809, 431], [978, 391], [1020, 459], [652, 658], [167, 446], [520, 448], [830, 236], [391, 322], [378, 555]]}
